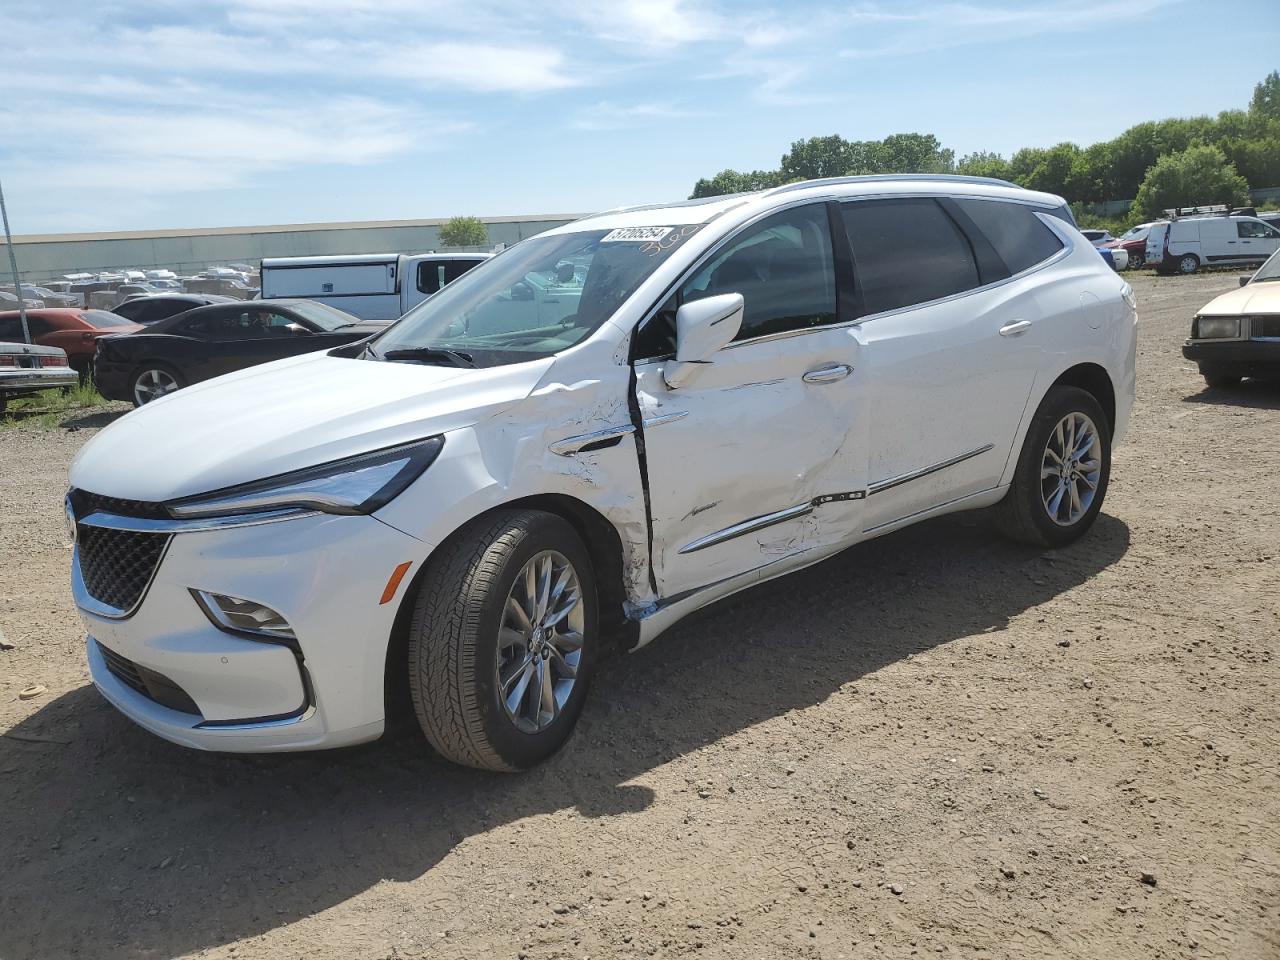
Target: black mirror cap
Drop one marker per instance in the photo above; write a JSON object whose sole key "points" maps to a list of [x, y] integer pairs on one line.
{"points": [[1245, 280]]}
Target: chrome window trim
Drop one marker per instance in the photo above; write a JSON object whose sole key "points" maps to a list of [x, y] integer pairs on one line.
{"points": [[1052, 222], [116, 521]]}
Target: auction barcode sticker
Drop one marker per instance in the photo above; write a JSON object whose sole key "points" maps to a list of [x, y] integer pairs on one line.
{"points": [[636, 234]]}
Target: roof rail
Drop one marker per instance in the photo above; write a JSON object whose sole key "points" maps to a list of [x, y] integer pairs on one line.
{"points": [[881, 177]]}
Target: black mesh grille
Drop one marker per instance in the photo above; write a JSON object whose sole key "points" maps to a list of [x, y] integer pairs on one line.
{"points": [[117, 565], [154, 686], [1267, 326], [85, 503]]}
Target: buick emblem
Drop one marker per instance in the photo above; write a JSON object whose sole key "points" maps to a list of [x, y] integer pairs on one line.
{"points": [[70, 516]]}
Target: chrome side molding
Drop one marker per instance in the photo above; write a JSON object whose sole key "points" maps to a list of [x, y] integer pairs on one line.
{"points": [[747, 526], [880, 486], [601, 439], [752, 524]]}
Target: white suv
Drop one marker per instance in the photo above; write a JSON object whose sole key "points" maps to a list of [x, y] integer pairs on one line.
{"points": [[582, 440]]}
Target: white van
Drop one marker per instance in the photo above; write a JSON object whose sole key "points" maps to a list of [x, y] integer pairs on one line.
{"points": [[1185, 245], [375, 286]]}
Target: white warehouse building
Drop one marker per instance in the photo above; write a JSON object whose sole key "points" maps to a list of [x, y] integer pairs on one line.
{"points": [[42, 257]]}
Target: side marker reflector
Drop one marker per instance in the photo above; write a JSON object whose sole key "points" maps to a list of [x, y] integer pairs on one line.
{"points": [[394, 583]]}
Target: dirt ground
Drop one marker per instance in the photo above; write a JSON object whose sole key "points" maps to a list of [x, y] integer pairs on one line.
{"points": [[935, 744]]}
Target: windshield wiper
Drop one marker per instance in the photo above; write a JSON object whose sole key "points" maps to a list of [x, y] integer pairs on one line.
{"points": [[431, 355]]}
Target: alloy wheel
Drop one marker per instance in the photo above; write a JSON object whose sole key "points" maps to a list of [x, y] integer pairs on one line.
{"points": [[1070, 469], [151, 384], [540, 641]]}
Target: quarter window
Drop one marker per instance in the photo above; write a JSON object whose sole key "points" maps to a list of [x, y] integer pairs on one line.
{"points": [[782, 266], [907, 251], [1018, 235]]}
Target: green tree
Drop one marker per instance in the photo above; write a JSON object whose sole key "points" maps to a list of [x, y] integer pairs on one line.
{"points": [[818, 157], [1266, 96], [904, 153], [1044, 169], [1199, 175], [464, 232], [983, 163], [734, 181]]}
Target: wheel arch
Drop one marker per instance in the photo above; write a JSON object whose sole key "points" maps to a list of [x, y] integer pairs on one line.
{"points": [[1093, 379], [604, 546]]}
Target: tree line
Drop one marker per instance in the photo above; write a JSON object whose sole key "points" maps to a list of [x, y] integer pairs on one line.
{"points": [[1158, 164]]}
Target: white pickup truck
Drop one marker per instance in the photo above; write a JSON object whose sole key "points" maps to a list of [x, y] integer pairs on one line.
{"points": [[374, 286]]}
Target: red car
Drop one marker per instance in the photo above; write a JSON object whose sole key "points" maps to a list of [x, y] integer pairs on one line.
{"points": [[74, 330], [1134, 242]]}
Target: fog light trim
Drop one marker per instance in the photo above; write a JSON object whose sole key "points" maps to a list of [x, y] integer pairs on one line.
{"points": [[244, 618]]}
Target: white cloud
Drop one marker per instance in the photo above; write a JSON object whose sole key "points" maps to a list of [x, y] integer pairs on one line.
{"points": [[608, 115], [928, 29]]}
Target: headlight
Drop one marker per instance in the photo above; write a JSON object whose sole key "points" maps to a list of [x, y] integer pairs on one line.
{"points": [[359, 484], [1216, 328], [1129, 297]]}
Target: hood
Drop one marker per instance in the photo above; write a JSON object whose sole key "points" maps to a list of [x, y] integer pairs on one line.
{"points": [[1254, 298], [285, 416]]}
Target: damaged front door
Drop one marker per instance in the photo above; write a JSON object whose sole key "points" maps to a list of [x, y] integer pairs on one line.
{"points": [[759, 456]]}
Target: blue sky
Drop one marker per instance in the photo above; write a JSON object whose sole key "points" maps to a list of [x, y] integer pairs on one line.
{"points": [[159, 113]]}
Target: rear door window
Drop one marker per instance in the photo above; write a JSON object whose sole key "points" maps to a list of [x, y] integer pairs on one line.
{"points": [[907, 251], [1020, 238]]}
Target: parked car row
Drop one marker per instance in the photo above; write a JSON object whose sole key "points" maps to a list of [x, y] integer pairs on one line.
{"points": [[75, 331]]}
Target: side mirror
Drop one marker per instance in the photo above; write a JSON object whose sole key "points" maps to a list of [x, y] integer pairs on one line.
{"points": [[702, 328], [297, 329], [1245, 280]]}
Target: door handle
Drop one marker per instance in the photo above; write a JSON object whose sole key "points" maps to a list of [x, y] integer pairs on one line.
{"points": [[1015, 329], [828, 374]]}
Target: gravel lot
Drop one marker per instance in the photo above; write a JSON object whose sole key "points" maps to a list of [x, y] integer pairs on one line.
{"points": [[935, 744]]}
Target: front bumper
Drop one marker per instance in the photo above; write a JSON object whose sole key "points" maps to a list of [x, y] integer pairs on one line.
{"points": [[1247, 358], [324, 573]]}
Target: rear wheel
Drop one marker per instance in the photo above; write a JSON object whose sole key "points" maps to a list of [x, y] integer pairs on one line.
{"points": [[1062, 473], [152, 381], [503, 640], [1188, 263]]}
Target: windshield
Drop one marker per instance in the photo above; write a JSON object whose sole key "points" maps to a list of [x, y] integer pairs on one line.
{"points": [[323, 316], [101, 318], [535, 299], [1136, 233], [1269, 270]]}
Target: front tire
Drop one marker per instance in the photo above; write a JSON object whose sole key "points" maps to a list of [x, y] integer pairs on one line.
{"points": [[1137, 261], [503, 640], [1063, 471]]}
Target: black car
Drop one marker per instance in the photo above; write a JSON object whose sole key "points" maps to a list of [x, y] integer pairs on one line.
{"points": [[161, 306], [213, 340]]}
